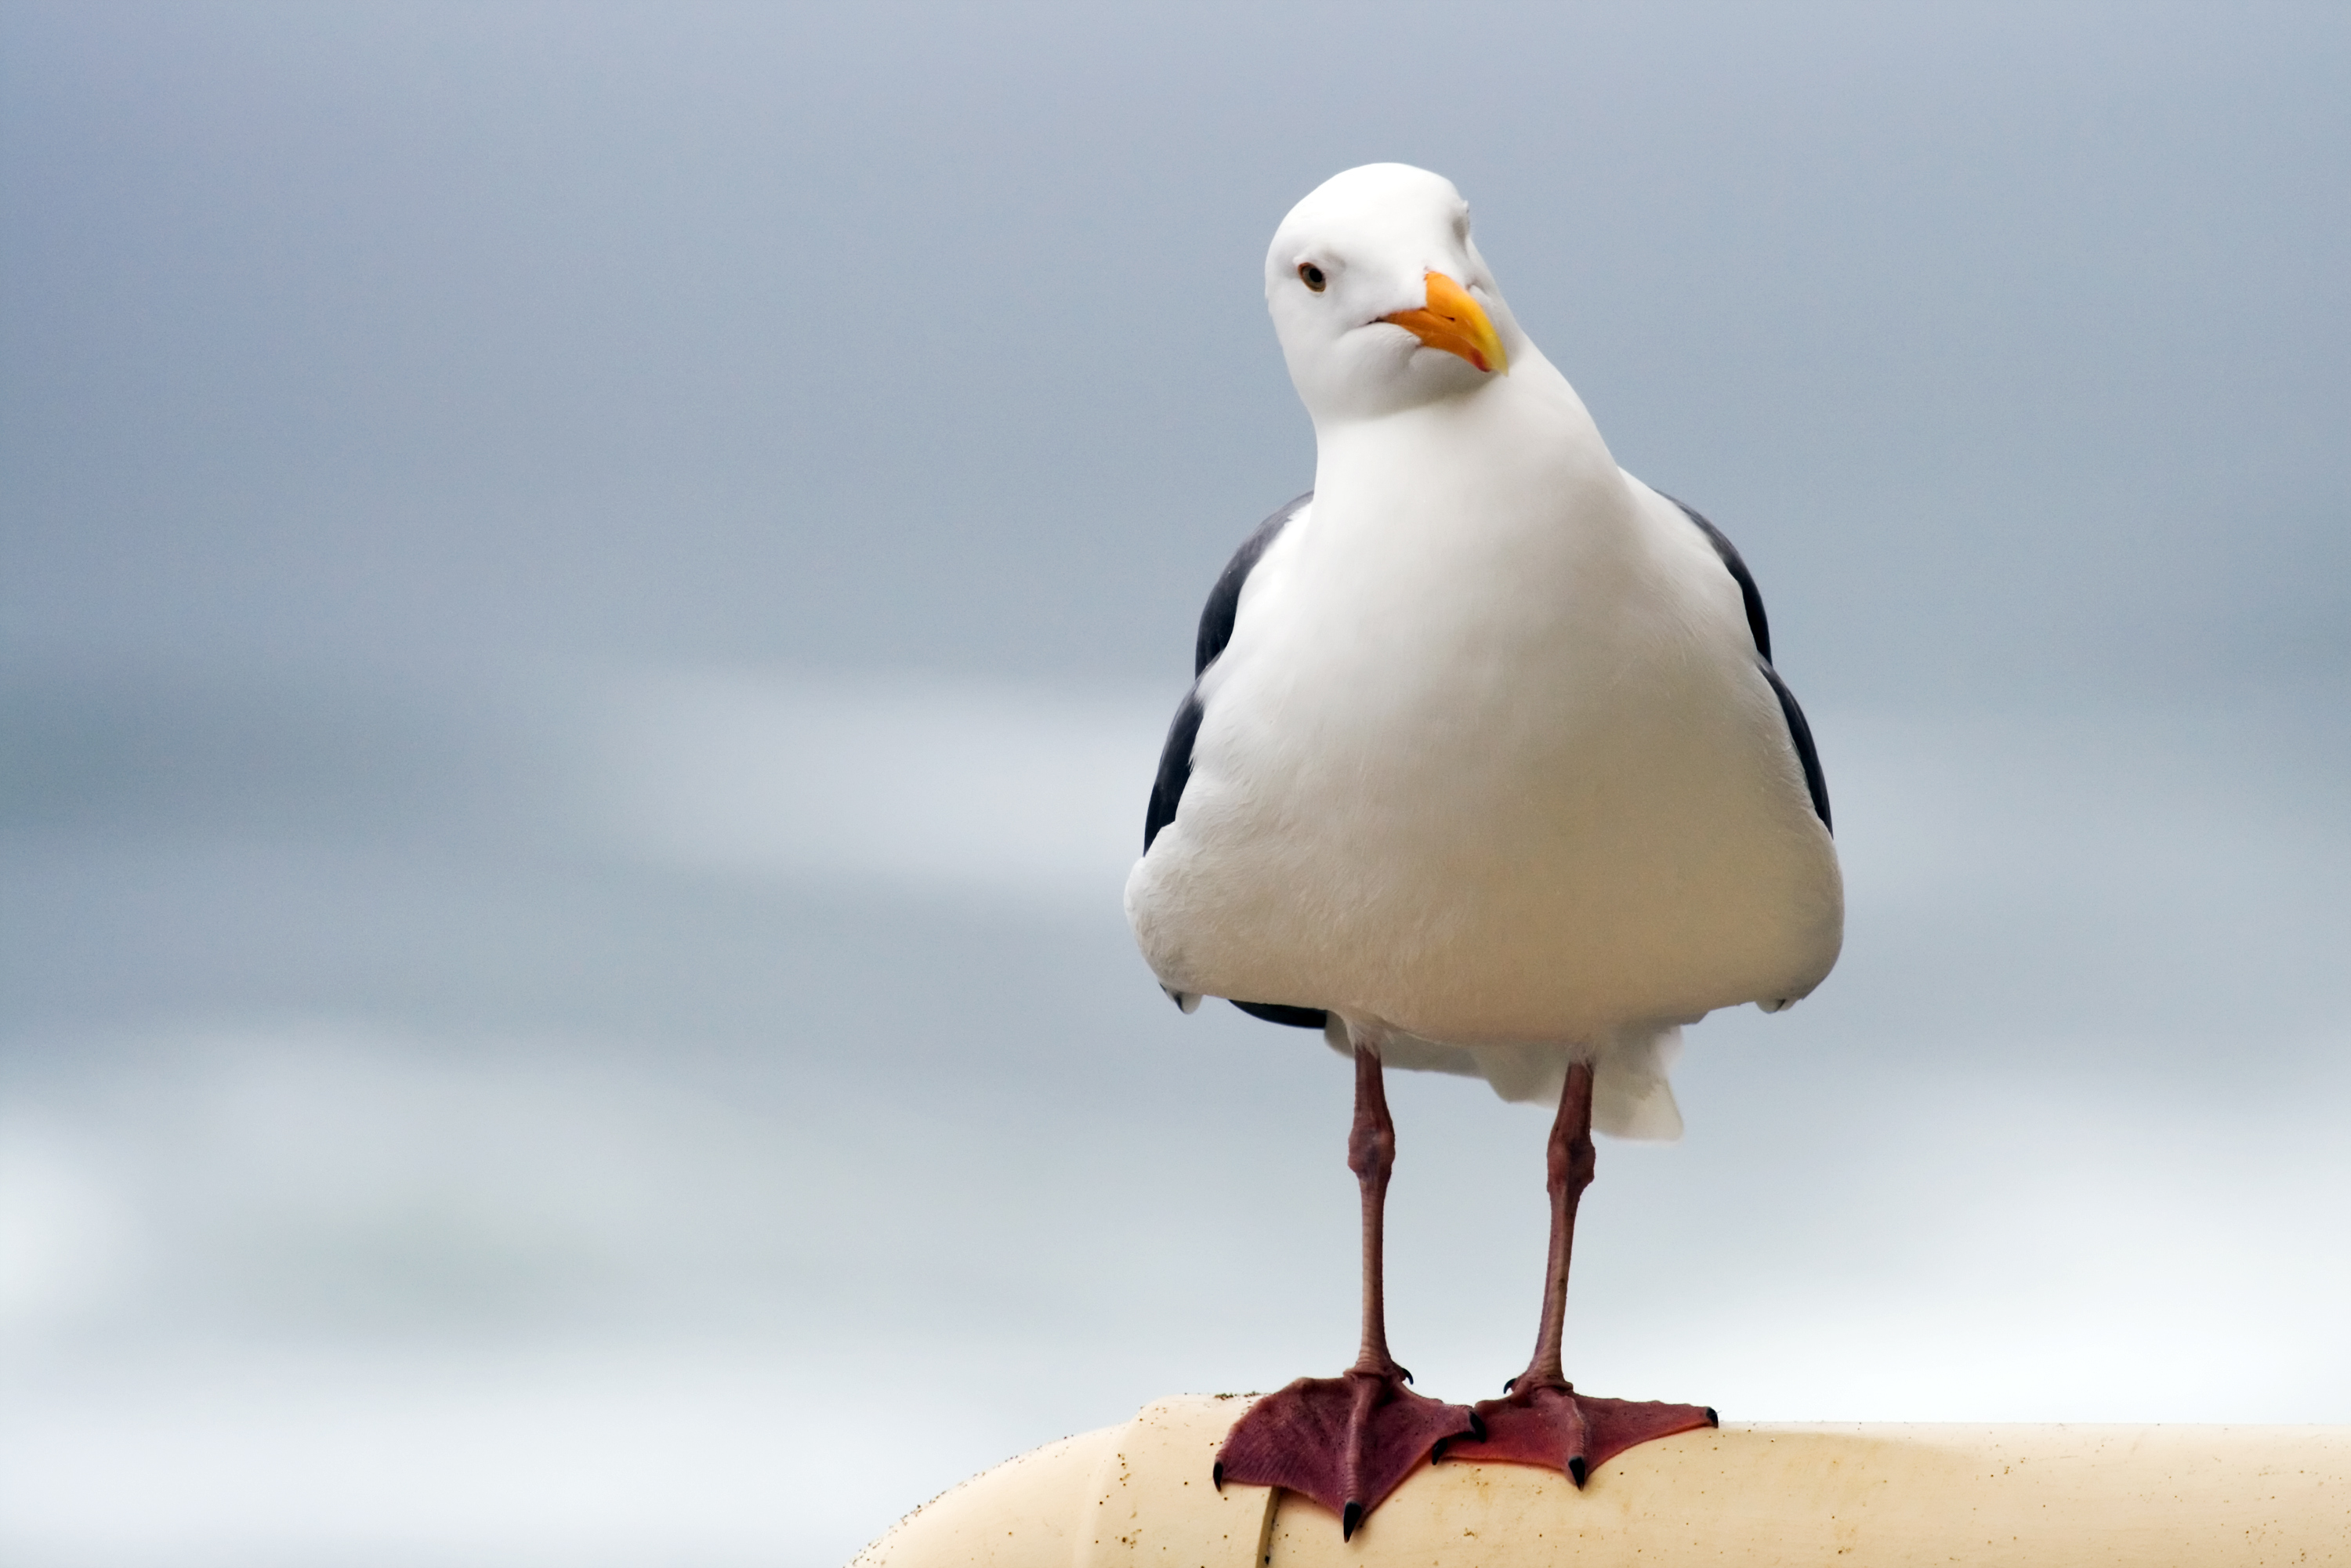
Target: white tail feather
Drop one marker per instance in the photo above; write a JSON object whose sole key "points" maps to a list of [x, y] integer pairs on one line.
{"points": [[1632, 1096]]}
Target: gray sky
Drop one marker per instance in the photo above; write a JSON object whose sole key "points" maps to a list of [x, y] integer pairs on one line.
{"points": [[2009, 341], [587, 596]]}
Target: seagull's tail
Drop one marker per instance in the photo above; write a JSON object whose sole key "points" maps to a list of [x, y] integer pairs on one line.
{"points": [[1632, 1096]]}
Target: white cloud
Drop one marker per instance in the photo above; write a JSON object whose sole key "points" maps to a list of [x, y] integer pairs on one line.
{"points": [[66, 1241], [967, 786], [610, 1454]]}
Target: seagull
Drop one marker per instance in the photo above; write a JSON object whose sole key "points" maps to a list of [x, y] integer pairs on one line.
{"points": [[1485, 769]]}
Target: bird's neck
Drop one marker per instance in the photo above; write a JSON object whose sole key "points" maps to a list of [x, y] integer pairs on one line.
{"points": [[1514, 442]]}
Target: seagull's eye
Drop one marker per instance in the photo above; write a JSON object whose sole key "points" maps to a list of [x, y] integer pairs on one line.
{"points": [[1311, 276]]}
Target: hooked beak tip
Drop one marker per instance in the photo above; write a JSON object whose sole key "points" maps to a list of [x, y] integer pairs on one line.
{"points": [[1454, 321]]}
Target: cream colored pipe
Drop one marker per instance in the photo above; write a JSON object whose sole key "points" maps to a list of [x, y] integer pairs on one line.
{"points": [[2148, 1497]]}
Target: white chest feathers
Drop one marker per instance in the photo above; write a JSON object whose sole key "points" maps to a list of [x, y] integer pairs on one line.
{"points": [[1490, 758]]}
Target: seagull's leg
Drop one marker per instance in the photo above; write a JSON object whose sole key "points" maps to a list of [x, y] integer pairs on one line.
{"points": [[1348, 1441], [1569, 1161], [1371, 1155], [1542, 1419]]}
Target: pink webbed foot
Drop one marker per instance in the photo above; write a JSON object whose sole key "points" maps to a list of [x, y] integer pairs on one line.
{"points": [[1346, 1441], [1549, 1424]]}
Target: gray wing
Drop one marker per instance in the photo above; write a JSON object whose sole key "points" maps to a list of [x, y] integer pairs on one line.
{"points": [[1216, 630], [1799, 731], [1175, 757]]}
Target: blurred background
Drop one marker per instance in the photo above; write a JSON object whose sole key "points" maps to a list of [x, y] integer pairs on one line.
{"points": [[589, 596]]}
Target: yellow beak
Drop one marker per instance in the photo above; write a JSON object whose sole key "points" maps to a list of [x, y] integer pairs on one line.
{"points": [[1456, 323]]}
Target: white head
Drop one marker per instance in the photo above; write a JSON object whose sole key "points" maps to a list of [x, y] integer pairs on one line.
{"points": [[1381, 301]]}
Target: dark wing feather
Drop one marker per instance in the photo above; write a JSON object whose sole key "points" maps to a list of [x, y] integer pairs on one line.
{"points": [[1175, 769], [1217, 619], [1751, 595], [1223, 604], [1816, 783], [1283, 1013]]}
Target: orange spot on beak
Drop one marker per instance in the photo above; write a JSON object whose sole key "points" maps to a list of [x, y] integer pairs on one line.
{"points": [[1453, 321]]}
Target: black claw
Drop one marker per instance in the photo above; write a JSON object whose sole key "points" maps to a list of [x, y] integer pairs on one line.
{"points": [[1477, 1426], [1577, 1471], [1353, 1517], [1218, 1475], [1513, 1383], [1438, 1452], [1711, 1418], [1405, 1373]]}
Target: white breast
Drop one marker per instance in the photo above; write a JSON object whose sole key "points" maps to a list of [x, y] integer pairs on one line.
{"points": [[1488, 757]]}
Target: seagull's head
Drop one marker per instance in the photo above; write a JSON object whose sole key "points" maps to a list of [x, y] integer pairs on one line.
{"points": [[1380, 299]]}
